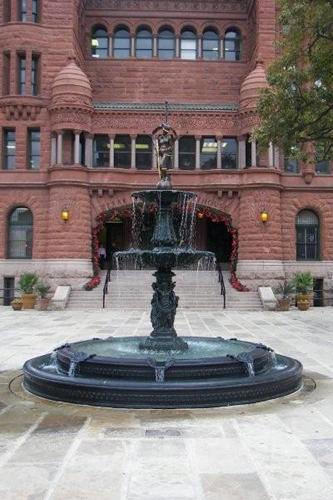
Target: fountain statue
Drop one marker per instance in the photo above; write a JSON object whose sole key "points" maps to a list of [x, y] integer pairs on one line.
{"points": [[163, 370]]}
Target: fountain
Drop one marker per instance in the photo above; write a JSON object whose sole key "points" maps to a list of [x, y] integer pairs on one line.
{"points": [[163, 370]]}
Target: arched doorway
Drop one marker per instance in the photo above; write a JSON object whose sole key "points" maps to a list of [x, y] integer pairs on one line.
{"points": [[213, 233]]}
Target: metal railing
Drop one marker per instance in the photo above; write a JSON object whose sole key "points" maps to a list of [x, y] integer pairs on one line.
{"points": [[221, 281], [106, 284]]}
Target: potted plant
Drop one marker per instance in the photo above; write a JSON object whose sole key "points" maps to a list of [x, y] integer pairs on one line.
{"points": [[42, 290], [303, 283], [284, 290], [27, 283], [17, 304]]}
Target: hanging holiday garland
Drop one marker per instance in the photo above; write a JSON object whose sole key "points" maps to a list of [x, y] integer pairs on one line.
{"points": [[127, 213]]}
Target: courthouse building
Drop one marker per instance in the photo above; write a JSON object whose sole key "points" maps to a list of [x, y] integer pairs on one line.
{"points": [[83, 85]]}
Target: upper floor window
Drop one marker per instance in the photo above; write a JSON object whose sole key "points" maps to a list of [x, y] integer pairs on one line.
{"points": [[187, 149], [208, 153], [307, 235], [9, 153], [6, 74], [210, 45], [232, 45], [144, 150], [291, 166], [35, 11], [20, 234], [322, 166], [229, 153], [35, 74], [22, 64], [121, 43], [122, 151], [188, 44], [100, 43], [23, 10], [34, 148], [7, 10], [101, 151], [166, 44], [144, 44]]}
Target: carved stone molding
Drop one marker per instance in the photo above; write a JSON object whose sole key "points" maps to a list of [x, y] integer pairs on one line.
{"points": [[171, 5]]}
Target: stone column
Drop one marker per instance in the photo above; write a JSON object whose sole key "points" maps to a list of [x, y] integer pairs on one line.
{"points": [[60, 147], [271, 156], [53, 150], [77, 147], [154, 45], [219, 153], [177, 47], [132, 45], [253, 153], [176, 155], [277, 156], [110, 46], [133, 151], [221, 48], [197, 152], [28, 65], [241, 152], [199, 47], [154, 156], [111, 158], [89, 150]]}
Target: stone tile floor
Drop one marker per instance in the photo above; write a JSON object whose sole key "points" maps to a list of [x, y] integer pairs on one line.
{"points": [[281, 449]]}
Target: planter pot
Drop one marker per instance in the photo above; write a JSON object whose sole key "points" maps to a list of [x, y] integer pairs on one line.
{"points": [[29, 300], [43, 304], [17, 307], [303, 301], [284, 304]]}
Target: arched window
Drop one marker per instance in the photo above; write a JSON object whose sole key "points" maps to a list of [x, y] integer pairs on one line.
{"points": [[229, 153], [208, 153], [121, 43], [101, 151], [144, 150], [122, 151], [144, 44], [210, 45], [20, 228], [232, 45], [188, 44], [187, 153], [307, 235], [166, 43], [100, 43]]}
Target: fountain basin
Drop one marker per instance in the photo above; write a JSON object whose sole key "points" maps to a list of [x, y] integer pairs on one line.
{"points": [[116, 373], [164, 257]]}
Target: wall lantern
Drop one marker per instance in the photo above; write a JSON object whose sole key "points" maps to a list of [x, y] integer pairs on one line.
{"points": [[200, 215], [264, 216], [65, 215]]}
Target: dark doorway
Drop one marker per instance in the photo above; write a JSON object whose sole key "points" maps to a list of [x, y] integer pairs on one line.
{"points": [[9, 291], [219, 241], [318, 292], [114, 237]]}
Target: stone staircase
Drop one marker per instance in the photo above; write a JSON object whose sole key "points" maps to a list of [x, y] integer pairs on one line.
{"points": [[199, 291]]}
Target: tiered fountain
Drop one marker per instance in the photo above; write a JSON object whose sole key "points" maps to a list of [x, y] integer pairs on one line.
{"points": [[163, 370]]}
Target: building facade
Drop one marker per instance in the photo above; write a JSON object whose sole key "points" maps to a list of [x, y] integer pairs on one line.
{"points": [[83, 85]]}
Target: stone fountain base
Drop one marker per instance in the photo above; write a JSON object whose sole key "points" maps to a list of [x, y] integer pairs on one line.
{"points": [[118, 373]]}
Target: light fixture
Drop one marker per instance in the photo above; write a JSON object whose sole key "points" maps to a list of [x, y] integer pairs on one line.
{"points": [[94, 42], [264, 216], [65, 215], [200, 215]]}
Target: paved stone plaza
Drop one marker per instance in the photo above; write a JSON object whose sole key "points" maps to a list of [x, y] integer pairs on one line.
{"points": [[274, 450]]}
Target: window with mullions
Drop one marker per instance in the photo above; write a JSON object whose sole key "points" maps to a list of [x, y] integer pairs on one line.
{"points": [[35, 74], [121, 44], [20, 234], [22, 63], [122, 151], [34, 148], [229, 153], [144, 152], [6, 74], [144, 44], [187, 153], [23, 10], [210, 45], [291, 166], [35, 11], [101, 151], [208, 153], [100, 43], [322, 166], [166, 44], [232, 45], [7, 11], [188, 44], [9, 143], [307, 236]]}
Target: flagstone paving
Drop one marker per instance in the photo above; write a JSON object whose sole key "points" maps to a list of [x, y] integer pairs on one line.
{"points": [[281, 449]]}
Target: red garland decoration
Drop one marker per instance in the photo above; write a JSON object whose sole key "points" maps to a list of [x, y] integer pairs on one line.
{"points": [[126, 213]]}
